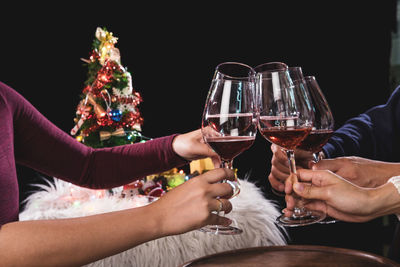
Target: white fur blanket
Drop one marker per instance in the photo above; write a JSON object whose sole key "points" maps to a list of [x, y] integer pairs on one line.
{"points": [[253, 213]]}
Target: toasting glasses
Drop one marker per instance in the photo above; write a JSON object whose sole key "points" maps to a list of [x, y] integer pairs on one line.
{"points": [[229, 121], [285, 119]]}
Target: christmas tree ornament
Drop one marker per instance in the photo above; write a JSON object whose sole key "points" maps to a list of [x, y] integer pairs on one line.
{"points": [[156, 192], [132, 189], [115, 114], [98, 109], [104, 135], [176, 179], [107, 42]]}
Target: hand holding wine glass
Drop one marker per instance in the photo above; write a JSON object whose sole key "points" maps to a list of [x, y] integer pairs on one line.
{"points": [[229, 124], [286, 119], [323, 124], [322, 128]]}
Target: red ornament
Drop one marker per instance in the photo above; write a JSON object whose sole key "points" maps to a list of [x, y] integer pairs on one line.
{"points": [[96, 88], [94, 56], [112, 66], [104, 120], [156, 192], [86, 89], [130, 119], [134, 185]]}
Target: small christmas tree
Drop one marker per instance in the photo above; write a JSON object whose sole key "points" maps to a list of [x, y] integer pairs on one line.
{"points": [[107, 114]]}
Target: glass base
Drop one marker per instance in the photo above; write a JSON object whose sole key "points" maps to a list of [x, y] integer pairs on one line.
{"points": [[306, 218], [221, 230], [328, 220]]}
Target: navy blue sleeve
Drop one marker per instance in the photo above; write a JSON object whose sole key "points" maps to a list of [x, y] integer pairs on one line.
{"points": [[373, 134]]}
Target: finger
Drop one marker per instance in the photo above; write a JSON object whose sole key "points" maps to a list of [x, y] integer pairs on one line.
{"points": [[288, 186], [219, 174], [309, 191], [280, 163], [217, 205], [277, 185], [317, 177], [279, 174], [216, 160], [290, 202], [221, 189], [215, 219], [287, 212], [205, 151], [279, 156], [226, 205], [317, 205]]}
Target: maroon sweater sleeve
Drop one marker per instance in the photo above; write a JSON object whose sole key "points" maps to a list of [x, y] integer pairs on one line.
{"points": [[40, 145]]}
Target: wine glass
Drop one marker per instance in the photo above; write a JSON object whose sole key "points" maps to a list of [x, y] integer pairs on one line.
{"points": [[269, 66], [229, 121], [323, 123], [286, 118], [323, 126]]}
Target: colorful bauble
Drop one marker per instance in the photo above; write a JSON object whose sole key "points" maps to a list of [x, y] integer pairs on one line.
{"points": [[115, 114]]}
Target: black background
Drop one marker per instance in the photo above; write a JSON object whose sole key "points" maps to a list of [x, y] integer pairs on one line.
{"points": [[171, 52]]}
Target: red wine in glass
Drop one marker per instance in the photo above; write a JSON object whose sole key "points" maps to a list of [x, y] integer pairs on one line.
{"points": [[278, 130], [315, 140], [228, 147], [288, 138]]}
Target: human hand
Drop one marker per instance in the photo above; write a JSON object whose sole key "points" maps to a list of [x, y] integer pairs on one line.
{"points": [[330, 193], [280, 167], [191, 146], [360, 171], [189, 206]]}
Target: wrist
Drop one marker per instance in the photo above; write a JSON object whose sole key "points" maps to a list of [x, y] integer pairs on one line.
{"points": [[391, 169], [149, 223], [385, 199]]}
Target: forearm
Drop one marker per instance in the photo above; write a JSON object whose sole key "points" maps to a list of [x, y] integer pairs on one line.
{"points": [[387, 170], [75, 242]]}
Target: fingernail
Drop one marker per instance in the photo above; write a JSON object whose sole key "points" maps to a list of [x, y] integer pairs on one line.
{"points": [[298, 187]]}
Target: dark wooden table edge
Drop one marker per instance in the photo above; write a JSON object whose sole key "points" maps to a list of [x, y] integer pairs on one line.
{"points": [[355, 252]]}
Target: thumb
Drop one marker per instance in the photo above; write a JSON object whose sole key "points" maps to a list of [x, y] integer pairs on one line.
{"points": [[308, 191]]}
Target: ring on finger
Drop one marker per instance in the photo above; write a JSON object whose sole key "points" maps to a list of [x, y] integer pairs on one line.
{"points": [[221, 205]]}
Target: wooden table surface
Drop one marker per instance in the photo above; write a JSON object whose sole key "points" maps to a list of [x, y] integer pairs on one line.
{"points": [[292, 255]]}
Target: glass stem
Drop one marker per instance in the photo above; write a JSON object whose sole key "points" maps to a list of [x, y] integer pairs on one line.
{"points": [[316, 157], [299, 209], [292, 163], [226, 164]]}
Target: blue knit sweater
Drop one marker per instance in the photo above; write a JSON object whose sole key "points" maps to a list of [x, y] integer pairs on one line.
{"points": [[374, 134]]}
